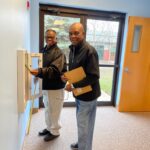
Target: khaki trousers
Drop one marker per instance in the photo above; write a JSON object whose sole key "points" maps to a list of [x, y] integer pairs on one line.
{"points": [[53, 102]]}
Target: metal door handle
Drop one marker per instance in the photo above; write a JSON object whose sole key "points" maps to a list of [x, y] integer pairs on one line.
{"points": [[126, 69]]}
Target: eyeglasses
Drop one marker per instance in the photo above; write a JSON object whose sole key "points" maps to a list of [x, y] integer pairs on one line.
{"points": [[49, 37]]}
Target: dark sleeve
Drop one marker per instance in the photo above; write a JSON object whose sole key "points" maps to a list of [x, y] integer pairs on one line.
{"points": [[64, 66], [91, 69], [55, 68]]}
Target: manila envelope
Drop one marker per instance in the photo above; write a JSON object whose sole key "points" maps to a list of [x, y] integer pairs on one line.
{"points": [[79, 91], [75, 75]]}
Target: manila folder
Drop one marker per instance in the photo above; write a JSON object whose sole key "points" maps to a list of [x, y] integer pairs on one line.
{"points": [[80, 91], [75, 75]]}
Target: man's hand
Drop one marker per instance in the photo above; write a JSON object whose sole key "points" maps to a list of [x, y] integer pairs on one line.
{"points": [[34, 72], [63, 78], [68, 87]]}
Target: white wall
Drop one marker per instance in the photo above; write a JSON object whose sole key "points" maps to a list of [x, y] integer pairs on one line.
{"points": [[14, 34]]}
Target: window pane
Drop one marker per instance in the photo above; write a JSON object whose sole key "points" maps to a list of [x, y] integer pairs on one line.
{"points": [[61, 26], [103, 36], [106, 78], [136, 38]]}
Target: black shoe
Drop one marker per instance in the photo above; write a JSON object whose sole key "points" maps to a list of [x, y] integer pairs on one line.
{"points": [[50, 137], [74, 146], [43, 132]]}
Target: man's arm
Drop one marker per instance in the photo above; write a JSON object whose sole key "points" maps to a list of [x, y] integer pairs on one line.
{"points": [[55, 68]]}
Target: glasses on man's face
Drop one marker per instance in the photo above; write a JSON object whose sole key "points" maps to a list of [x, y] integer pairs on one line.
{"points": [[49, 37], [74, 33]]}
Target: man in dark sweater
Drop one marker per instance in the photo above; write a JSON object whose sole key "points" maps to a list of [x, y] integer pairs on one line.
{"points": [[54, 64], [83, 54]]}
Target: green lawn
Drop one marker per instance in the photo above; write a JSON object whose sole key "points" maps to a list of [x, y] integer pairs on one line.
{"points": [[106, 75]]}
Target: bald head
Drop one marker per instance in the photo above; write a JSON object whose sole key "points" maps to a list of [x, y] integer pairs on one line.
{"points": [[77, 25], [76, 33]]}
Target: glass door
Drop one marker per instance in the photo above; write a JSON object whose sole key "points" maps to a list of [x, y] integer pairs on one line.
{"points": [[103, 35]]}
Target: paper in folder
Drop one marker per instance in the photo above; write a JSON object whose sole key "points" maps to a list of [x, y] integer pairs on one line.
{"points": [[77, 75]]}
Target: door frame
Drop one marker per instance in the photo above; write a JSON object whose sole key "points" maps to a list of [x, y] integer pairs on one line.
{"points": [[84, 14]]}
